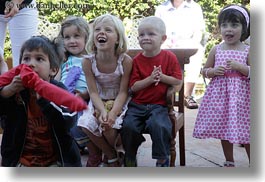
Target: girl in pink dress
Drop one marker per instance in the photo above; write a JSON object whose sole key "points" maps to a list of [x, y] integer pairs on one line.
{"points": [[225, 109]]}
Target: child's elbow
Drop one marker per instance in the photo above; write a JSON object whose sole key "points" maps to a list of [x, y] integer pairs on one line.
{"points": [[178, 85], [180, 82]]}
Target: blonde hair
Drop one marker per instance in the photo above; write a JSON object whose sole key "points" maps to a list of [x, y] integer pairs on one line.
{"points": [[122, 45], [155, 22]]}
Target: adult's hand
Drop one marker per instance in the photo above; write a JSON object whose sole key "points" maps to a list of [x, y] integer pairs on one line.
{"points": [[12, 8]]}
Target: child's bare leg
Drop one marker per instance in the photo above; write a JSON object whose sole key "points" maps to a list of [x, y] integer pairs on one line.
{"points": [[118, 144], [101, 143], [94, 155], [93, 147], [228, 150], [114, 139], [247, 147], [111, 135]]}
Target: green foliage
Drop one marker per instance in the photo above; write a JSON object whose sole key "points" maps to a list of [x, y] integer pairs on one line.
{"points": [[57, 10], [7, 46]]}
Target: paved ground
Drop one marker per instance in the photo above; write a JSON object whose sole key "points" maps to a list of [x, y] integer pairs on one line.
{"points": [[199, 153]]}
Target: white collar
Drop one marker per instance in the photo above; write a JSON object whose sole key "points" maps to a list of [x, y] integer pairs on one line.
{"points": [[169, 6]]}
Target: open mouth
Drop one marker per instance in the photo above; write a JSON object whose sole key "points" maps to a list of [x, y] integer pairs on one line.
{"points": [[102, 40], [229, 36]]}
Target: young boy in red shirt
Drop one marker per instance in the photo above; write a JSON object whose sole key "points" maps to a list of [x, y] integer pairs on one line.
{"points": [[154, 70]]}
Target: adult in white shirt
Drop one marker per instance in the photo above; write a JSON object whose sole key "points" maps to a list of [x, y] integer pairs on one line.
{"points": [[185, 27], [20, 18], [3, 65]]}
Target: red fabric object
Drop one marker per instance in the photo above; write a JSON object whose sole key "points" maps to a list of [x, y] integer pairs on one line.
{"points": [[46, 90], [7, 77]]}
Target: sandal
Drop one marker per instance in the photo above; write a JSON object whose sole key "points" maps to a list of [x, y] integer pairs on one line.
{"points": [[130, 162], [190, 103], [229, 164], [114, 162], [121, 156], [94, 160]]}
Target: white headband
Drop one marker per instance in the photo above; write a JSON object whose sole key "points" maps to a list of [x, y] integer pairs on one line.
{"points": [[242, 10]]}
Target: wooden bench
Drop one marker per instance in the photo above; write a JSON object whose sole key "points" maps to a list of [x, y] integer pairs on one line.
{"points": [[176, 106]]}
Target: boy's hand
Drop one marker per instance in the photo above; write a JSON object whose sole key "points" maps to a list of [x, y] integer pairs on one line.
{"points": [[16, 85], [156, 74], [12, 88]]}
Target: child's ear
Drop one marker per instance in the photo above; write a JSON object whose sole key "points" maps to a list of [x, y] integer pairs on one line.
{"points": [[53, 72], [164, 38]]}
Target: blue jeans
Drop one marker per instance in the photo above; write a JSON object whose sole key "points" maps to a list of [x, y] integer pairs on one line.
{"points": [[146, 118]]}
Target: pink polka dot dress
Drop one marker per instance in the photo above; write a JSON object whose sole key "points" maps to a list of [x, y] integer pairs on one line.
{"points": [[225, 109]]}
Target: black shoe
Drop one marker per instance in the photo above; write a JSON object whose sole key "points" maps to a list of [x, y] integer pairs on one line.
{"points": [[130, 162], [164, 164], [84, 151]]}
